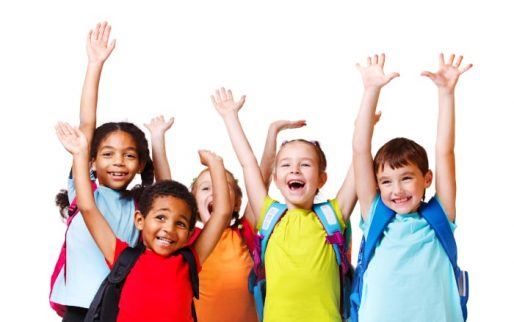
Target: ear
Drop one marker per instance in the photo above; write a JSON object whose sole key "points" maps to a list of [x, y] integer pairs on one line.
{"points": [[139, 220], [322, 179], [141, 167], [428, 178]]}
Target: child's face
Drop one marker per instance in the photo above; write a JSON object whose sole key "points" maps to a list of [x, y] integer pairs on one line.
{"points": [[165, 228], [402, 189], [204, 197], [297, 174], [117, 161]]}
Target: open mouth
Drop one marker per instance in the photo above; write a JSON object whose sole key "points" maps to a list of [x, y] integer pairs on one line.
{"points": [[295, 184], [117, 174], [165, 240], [210, 208], [401, 200]]}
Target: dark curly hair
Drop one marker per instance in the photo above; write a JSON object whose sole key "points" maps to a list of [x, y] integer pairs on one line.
{"points": [[167, 188], [101, 132]]}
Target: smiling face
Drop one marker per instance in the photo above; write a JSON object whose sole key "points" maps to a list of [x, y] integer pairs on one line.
{"points": [[166, 227], [202, 190], [117, 162], [298, 175], [402, 189]]}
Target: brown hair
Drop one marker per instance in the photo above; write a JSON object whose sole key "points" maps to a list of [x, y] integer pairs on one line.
{"points": [[400, 152], [317, 148]]}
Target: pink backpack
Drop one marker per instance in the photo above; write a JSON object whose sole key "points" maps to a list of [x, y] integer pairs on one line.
{"points": [[61, 261]]}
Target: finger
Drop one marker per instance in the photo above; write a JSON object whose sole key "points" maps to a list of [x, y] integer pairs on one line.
{"points": [[223, 93], [112, 45], [241, 102], [106, 33], [229, 95], [465, 69], [375, 59], [392, 76], [369, 61], [218, 96], [213, 100], [171, 121], [441, 59], [359, 67], [450, 59], [428, 74], [381, 60], [96, 32], [459, 61], [101, 31]]}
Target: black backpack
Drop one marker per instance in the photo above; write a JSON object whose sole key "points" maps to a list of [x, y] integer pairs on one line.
{"points": [[104, 307]]}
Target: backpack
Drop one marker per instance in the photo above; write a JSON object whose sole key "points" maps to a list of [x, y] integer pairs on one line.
{"points": [[104, 307], [436, 218], [341, 242], [60, 265]]}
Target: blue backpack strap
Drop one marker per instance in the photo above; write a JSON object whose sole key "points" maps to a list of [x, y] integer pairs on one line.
{"points": [[381, 219], [272, 216], [326, 214], [436, 218]]}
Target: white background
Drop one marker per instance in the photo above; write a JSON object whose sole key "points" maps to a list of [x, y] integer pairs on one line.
{"points": [[293, 60]]}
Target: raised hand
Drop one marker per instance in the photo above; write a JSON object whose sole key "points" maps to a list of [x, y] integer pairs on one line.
{"points": [[73, 140], [158, 125], [449, 72], [280, 125], [373, 75], [207, 158], [97, 43], [224, 102]]}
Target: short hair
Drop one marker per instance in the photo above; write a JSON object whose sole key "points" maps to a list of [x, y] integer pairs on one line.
{"points": [[167, 188], [400, 152], [317, 148]]}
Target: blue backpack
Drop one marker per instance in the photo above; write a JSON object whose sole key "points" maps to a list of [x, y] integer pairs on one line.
{"points": [[341, 242], [436, 218]]}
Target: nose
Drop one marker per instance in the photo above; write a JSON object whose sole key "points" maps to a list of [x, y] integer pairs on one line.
{"points": [[295, 169], [397, 188], [118, 159]]}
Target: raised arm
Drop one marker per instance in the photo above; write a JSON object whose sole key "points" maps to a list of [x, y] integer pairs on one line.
{"points": [[224, 103], [373, 79], [222, 206], [347, 194], [98, 50], [270, 151], [446, 79], [158, 127], [76, 143]]}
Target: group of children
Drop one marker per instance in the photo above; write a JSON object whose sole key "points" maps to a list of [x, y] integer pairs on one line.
{"points": [[408, 279]]}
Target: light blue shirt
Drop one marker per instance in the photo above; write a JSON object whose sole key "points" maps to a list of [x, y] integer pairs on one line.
{"points": [[410, 277], [85, 264]]}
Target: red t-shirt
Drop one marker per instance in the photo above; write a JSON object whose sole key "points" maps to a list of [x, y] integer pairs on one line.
{"points": [[157, 288]]}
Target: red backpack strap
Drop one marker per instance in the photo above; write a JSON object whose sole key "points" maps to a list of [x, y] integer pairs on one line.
{"points": [[245, 231]]}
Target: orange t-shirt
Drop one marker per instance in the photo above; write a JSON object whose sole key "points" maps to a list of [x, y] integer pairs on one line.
{"points": [[224, 295]]}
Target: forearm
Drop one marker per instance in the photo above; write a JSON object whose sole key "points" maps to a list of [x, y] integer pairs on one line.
{"points": [[160, 160], [445, 141], [364, 123], [89, 99], [268, 155]]}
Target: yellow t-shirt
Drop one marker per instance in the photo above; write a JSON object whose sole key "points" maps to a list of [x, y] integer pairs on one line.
{"points": [[224, 294], [302, 275]]}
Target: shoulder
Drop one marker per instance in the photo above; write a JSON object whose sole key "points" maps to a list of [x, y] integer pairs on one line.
{"points": [[267, 203]]}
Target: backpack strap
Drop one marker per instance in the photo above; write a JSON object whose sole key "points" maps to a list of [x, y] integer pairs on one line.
{"points": [[327, 216], [272, 216], [381, 219], [436, 218], [188, 255], [105, 304]]}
